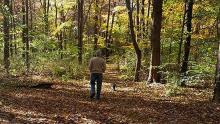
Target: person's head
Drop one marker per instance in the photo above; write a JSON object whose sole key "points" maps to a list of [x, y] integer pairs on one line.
{"points": [[98, 53]]}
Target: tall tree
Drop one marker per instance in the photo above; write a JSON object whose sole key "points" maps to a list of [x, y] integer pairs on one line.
{"points": [[80, 30], [25, 33], [61, 35], [142, 18], [6, 37], [154, 75], [96, 27], [32, 2], [23, 28], [27, 60], [112, 24], [133, 38], [14, 27], [107, 44], [46, 6], [138, 17], [148, 16], [181, 35], [11, 26], [216, 96], [189, 10]]}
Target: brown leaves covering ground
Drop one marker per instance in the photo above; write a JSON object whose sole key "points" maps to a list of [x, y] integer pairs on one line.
{"points": [[131, 103]]}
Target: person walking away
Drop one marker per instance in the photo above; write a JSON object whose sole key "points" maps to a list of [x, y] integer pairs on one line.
{"points": [[97, 67]]}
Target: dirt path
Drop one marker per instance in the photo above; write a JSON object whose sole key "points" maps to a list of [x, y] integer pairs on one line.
{"points": [[131, 103]]}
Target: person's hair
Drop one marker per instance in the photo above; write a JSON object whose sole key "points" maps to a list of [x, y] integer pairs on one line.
{"points": [[99, 53]]}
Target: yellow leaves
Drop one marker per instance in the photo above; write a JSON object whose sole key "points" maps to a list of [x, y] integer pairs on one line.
{"points": [[61, 27]]}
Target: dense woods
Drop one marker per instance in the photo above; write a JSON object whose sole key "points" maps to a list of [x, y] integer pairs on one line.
{"points": [[173, 43]]}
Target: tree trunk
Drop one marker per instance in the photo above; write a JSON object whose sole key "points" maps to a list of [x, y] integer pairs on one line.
{"points": [[11, 27], [96, 27], [148, 16], [31, 19], [14, 30], [133, 38], [80, 30], [6, 38], [112, 25], [107, 44], [61, 37], [138, 18], [27, 60], [216, 96], [23, 28], [181, 35], [154, 75], [184, 67], [142, 18], [46, 6]]}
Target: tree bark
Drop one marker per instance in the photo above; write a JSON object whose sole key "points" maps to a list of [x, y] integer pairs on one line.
{"points": [[46, 7], [11, 27], [107, 44], [181, 35], [112, 25], [14, 29], [6, 38], [31, 19], [80, 30], [184, 67], [216, 95], [61, 36], [27, 58], [23, 28], [148, 16], [96, 27], [133, 38], [138, 18], [154, 75], [142, 18]]}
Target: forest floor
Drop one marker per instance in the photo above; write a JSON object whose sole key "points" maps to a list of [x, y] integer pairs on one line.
{"points": [[135, 103]]}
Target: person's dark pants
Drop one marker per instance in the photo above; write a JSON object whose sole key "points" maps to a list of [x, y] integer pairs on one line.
{"points": [[96, 79]]}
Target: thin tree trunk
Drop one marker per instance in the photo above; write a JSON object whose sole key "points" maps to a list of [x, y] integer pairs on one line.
{"points": [[96, 27], [107, 26], [154, 75], [171, 39], [216, 95], [46, 6], [133, 38], [184, 67], [6, 39], [11, 28], [23, 28], [80, 30], [148, 16], [87, 13], [27, 58], [142, 18], [61, 37], [31, 18], [181, 35], [138, 19], [14, 29], [112, 25]]}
